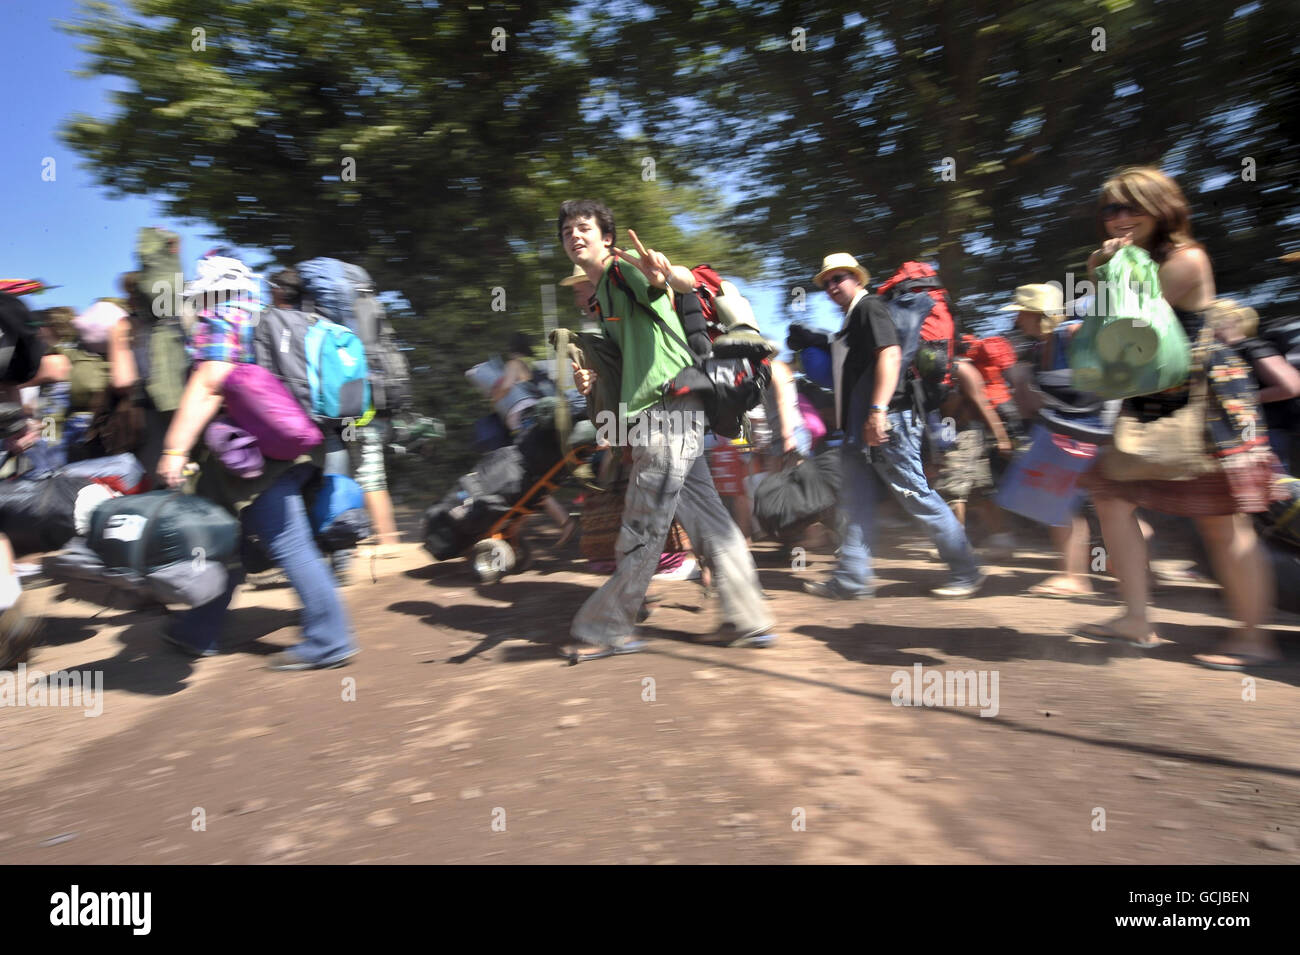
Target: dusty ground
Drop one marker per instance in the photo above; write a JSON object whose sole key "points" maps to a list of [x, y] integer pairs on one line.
{"points": [[469, 740]]}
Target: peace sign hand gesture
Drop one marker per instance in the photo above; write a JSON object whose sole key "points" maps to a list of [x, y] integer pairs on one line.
{"points": [[653, 265]]}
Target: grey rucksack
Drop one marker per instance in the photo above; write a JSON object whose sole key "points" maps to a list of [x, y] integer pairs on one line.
{"points": [[345, 294]]}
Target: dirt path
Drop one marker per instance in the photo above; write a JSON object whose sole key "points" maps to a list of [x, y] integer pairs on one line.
{"points": [[469, 740]]}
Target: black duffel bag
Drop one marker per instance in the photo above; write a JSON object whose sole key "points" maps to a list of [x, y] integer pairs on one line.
{"points": [[804, 492]]}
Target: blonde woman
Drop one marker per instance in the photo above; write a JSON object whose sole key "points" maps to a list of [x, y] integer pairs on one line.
{"points": [[1144, 207]]}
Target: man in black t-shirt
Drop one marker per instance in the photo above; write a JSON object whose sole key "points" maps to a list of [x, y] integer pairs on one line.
{"points": [[882, 441]]}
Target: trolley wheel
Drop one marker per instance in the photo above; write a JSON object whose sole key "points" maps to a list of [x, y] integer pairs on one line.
{"points": [[492, 559]]}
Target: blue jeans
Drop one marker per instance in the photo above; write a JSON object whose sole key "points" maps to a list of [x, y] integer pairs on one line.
{"points": [[279, 518], [896, 464]]}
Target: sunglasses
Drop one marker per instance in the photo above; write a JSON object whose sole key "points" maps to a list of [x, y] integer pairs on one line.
{"points": [[1120, 209], [836, 279]]}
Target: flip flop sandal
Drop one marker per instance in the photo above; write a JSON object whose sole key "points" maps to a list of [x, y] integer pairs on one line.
{"points": [[1042, 590], [593, 651], [1099, 631], [1248, 662]]}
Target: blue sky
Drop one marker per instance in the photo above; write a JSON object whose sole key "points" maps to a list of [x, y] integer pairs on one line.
{"points": [[67, 232], [70, 233]]}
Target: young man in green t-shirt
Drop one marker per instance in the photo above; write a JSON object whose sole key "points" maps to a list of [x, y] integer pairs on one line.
{"points": [[666, 435]]}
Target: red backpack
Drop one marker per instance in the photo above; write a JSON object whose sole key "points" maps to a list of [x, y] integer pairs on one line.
{"points": [[992, 356], [708, 286], [933, 362]]}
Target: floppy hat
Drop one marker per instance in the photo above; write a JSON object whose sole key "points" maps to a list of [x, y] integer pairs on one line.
{"points": [[579, 275], [734, 309], [840, 260], [1047, 299], [742, 335]]}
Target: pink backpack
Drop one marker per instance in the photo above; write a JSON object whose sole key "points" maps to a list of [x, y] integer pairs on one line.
{"points": [[258, 402]]}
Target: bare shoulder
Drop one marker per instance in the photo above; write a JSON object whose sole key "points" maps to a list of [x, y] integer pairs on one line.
{"points": [[1186, 263]]}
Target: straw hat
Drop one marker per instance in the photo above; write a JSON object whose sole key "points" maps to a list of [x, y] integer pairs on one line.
{"points": [[579, 275], [1047, 299], [840, 260]]}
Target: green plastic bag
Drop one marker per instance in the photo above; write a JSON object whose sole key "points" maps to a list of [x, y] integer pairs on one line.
{"points": [[1132, 344]]}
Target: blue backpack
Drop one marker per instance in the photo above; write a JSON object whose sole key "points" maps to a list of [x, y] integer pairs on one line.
{"points": [[322, 363], [337, 377]]}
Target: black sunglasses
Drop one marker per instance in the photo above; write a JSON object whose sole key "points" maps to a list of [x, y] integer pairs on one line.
{"points": [[1120, 208]]}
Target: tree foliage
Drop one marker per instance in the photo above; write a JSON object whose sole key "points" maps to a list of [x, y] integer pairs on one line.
{"points": [[432, 143], [837, 118]]}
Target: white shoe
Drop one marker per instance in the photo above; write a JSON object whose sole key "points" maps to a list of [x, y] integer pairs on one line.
{"points": [[689, 570]]}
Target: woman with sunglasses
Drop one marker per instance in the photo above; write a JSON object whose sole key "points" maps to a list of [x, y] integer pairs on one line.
{"points": [[1143, 206]]}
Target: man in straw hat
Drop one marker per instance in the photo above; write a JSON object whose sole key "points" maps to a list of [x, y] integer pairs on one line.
{"points": [[669, 476], [882, 441]]}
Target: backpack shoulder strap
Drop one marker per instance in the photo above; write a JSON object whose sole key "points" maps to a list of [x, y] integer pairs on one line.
{"points": [[621, 282]]}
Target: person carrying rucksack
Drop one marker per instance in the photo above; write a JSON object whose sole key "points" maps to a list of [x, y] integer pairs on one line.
{"points": [[666, 434], [270, 506], [345, 294], [882, 438]]}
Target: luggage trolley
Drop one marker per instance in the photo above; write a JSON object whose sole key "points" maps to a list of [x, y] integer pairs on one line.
{"points": [[502, 550]]}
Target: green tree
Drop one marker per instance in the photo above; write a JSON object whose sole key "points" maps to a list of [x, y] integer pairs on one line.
{"points": [[839, 120], [431, 143]]}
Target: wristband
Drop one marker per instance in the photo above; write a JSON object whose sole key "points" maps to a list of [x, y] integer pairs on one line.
{"points": [[880, 407], [179, 454]]}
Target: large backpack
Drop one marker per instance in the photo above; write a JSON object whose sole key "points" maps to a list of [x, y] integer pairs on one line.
{"points": [[926, 329], [88, 378], [322, 363], [992, 356], [729, 382], [345, 294], [158, 260], [708, 286]]}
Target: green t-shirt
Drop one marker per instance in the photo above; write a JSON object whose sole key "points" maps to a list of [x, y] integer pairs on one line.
{"points": [[651, 358]]}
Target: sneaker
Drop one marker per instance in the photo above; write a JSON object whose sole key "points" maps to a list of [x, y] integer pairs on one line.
{"points": [[833, 590], [285, 660], [755, 640], [961, 591], [186, 648]]}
